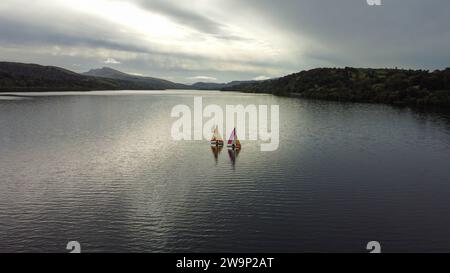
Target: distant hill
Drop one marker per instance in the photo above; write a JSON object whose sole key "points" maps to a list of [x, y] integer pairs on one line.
{"points": [[217, 86], [393, 86], [154, 83], [32, 77], [21, 77]]}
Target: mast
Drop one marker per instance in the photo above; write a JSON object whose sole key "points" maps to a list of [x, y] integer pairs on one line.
{"points": [[217, 134], [232, 139]]}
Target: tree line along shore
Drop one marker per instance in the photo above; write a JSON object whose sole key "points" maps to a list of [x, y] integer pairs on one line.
{"points": [[391, 86]]}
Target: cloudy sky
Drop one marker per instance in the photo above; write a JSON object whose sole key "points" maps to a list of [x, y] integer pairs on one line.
{"points": [[224, 40]]}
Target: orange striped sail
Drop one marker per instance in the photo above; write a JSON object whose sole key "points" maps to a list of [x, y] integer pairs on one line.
{"points": [[217, 139]]}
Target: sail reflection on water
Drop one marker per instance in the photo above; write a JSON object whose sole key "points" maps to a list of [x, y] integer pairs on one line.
{"points": [[233, 155]]}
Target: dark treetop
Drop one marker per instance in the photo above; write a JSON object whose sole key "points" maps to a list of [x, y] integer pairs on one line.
{"points": [[393, 86]]}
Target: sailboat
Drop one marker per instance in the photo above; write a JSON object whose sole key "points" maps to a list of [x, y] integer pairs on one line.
{"points": [[234, 142], [217, 139]]}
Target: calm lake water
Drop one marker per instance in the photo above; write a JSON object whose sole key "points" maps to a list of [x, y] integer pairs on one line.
{"points": [[101, 168]]}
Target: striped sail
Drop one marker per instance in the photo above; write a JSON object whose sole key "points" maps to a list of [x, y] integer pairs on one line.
{"points": [[232, 140], [217, 136]]}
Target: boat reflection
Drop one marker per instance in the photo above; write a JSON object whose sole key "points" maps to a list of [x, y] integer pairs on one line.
{"points": [[216, 150], [233, 155]]}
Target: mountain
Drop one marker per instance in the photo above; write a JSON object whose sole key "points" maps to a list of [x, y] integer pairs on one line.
{"points": [[217, 86], [32, 77], [20, 77], [155, 83], [392, 86]]}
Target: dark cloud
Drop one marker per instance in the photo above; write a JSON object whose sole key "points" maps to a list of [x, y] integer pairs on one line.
{"points": [[188, 17], [414, 32], [16, 32], [308, 33]]}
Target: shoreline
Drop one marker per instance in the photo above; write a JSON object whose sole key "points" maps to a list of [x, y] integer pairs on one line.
{"points": [[33, 94]]}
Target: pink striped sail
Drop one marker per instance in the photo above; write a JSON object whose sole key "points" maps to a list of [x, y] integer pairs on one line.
{"points": [[234, 142], [232, 139]]}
